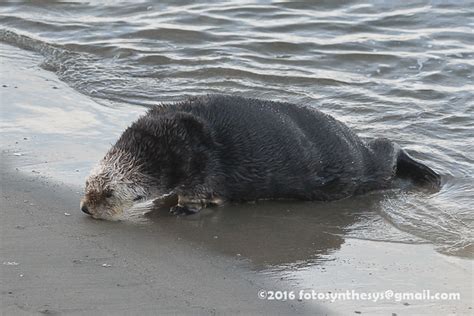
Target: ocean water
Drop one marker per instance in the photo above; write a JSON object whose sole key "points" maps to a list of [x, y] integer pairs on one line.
{"points": [[402, 70]]}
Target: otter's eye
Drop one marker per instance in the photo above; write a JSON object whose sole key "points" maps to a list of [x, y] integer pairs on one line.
{"points": [[137, 198], [108, 193]]}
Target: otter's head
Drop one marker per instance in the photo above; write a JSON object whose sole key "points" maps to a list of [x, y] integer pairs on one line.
{"points": [[114, 186]]}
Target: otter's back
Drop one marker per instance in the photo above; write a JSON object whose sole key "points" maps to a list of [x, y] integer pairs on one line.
{"points": [[275, 149]]}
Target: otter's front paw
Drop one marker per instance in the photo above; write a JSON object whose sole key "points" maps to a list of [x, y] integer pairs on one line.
{"points": [[165, 201], [183, 210]]}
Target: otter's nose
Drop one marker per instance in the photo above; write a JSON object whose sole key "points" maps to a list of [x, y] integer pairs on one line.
{"points": [[85, 209]]}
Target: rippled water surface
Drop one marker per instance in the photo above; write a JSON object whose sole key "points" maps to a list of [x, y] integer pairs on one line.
{"points": [[402, 70]]}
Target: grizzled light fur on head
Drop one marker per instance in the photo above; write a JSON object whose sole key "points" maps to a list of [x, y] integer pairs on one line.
{"points": [[115, 184]]}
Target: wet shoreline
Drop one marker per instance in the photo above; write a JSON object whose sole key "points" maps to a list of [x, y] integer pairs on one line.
{"points": [[58, 260], [214, 262], [400, 70]]}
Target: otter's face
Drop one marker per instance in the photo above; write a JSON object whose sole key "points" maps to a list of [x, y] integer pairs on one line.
{"points": [[108, 195]]}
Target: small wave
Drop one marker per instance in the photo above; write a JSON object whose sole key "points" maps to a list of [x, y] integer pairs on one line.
{"points": [[436, 219], [85, 72]]}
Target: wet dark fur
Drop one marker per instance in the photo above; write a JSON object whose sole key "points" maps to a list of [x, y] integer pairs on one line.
{"points": [[240, 149]]}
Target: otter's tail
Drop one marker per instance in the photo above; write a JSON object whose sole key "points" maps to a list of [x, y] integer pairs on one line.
{"points": [[420, 174]]}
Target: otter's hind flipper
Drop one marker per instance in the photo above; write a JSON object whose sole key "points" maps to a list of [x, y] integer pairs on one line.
{"points": [[420, 174]]}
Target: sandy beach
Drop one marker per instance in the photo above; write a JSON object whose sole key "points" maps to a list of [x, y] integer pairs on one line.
{"points": [[57, 260]]}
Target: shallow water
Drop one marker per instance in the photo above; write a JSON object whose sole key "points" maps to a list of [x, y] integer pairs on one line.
{"points": [[402, 71]]}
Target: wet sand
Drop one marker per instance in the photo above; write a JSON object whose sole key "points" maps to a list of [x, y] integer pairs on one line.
{"points": [[70, 263], [57, 260]]}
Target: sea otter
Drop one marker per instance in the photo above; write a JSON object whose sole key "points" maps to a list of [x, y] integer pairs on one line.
{"points": [[213, 149]]}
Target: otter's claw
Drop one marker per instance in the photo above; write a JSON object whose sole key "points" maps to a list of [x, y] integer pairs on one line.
{"points": [[183, 210]]}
